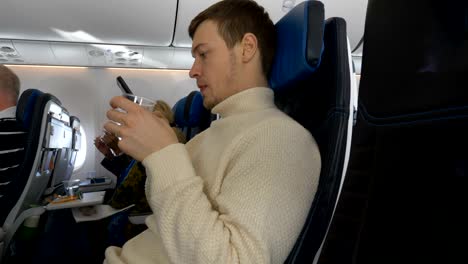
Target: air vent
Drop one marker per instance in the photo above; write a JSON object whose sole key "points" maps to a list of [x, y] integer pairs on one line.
{"points": [[96, 53], [6, 49], [119, 53]]}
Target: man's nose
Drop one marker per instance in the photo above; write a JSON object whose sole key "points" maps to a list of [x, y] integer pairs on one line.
{"points": [[195, 70]]}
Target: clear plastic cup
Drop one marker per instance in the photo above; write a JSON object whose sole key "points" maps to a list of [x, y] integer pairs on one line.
{"points": [[144, 102], [107, 143]]}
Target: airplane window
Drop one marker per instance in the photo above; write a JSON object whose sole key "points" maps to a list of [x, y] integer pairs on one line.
{"points": [[81, 155]]}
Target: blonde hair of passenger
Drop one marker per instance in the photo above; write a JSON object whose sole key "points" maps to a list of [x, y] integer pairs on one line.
{"points": [[163, 108]]}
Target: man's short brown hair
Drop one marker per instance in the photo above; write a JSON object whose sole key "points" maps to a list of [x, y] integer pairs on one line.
{"points": [[234, 19], [9, 82]]}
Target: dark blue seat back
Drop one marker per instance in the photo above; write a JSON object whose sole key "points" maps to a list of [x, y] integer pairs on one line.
{"points": [[190, 115], [311, 77], [299, 45]]}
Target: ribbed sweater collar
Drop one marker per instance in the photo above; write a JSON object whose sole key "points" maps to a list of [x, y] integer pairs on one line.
{"points": [[252, 99]]}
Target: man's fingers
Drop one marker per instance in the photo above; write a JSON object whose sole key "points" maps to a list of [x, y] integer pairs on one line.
{"points": [[123, 103], [112, 128], [116, 116]]}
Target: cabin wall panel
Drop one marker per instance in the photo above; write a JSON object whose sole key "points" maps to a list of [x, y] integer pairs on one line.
{"points": [[86, 92]]}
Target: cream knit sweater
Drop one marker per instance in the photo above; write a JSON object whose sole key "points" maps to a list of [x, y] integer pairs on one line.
{"points": [[239, 192]]}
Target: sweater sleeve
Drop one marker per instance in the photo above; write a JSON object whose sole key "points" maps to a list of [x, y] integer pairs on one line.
{"points": [[259, 210]]}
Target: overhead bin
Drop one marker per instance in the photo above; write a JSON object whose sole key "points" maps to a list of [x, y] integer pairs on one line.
{"points": [[93, 55], [188, 9], [136, 22]]}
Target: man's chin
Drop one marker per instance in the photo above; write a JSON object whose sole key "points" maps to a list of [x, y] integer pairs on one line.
{"points": [[208, 104]]}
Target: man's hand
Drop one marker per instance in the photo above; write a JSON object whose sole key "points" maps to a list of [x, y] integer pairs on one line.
{"points": [[141, 132]]}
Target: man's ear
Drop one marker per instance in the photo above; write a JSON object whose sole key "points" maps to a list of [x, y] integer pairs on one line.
{"points": [[249, 47]]}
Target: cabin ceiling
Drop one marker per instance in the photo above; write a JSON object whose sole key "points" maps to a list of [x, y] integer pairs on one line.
{"points": [[122, 33]]}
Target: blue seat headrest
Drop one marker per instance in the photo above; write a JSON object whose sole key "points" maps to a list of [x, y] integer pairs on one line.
{"points": [[189, 110], [25, 107], [299, 44]]}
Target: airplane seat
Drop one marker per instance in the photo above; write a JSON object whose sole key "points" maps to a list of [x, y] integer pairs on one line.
{"points": [[411, 133], [313, 83], [46, 122], [190, 116]]}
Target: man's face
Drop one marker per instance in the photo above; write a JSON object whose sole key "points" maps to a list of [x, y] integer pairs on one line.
{"points": [[215, 65]]}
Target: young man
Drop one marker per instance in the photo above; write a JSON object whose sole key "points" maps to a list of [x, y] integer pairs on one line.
{"points": [[11, 134], [240, 191]]}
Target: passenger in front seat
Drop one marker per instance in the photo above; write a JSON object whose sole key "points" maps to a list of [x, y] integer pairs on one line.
{"points": [[12, 136]]}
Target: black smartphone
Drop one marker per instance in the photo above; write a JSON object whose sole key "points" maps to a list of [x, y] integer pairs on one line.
{"points": [[123, 85]]}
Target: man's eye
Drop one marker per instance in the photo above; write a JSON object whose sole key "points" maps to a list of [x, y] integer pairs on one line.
{"points": [[203, 54]]}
